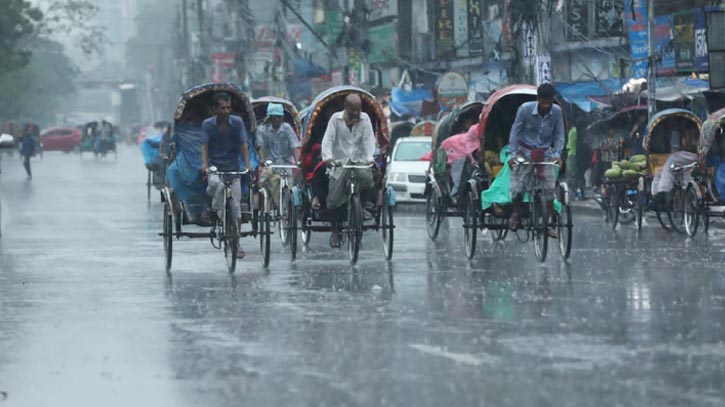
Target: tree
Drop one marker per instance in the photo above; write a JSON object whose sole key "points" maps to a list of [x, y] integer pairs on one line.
{"points": [[74, 19], [37, 90], [18, 23]]}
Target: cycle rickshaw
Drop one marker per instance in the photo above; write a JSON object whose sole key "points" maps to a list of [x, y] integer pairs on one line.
{"points": [[283, 215], [155, 151], [622, 198], [354, 224], [487, 205], [184, 196], [439, 186], [705, 195], [657, 143]]}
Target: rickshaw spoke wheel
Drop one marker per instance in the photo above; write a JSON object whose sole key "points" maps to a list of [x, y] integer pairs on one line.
{"points": [[564, 227], [470, 226], [354, 228], [386, 223], [692, 212], [432, 214], [231, 240], [613, 205], [168, 238], [540, 223], [292, 224], [676, 212], [264, 231], [284, 216]]}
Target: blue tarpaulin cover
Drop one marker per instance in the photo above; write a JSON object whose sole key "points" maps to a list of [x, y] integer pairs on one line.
{"points": [[409, 103], [150, 148], [579, 93]]}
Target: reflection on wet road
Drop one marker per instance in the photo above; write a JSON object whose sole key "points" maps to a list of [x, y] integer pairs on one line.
{"points": [[90, 318]]}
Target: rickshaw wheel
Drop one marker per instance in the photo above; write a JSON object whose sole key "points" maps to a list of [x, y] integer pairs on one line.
{"points": [[432, 214], [540, 224], [264, 231], [663, 221], [292, 224], [354, 228], [677, 211], [386, 227], [613, 205], [691, 212], [148, 186], [284, 217], [470, 226], [641, 197], [564, 226], [168, 238], [231, 240]]}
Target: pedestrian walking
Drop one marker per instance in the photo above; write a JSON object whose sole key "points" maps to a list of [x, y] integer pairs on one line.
{"points": [[27, 148]]}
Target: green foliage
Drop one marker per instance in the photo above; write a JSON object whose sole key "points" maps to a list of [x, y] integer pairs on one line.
{"points": [[36, 91], [18, 21]]}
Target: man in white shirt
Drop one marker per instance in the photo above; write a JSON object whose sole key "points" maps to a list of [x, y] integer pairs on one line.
{"points": [[349, 138]]}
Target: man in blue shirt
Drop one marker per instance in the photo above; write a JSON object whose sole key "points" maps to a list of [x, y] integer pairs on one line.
{"points": [[537, 135], [224, 139]]}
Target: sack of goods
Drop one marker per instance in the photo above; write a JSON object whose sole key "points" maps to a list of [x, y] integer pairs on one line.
{"points": [[632, 168]]}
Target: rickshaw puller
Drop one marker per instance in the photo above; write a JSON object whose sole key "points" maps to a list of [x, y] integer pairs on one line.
{"points": [[537, 135], [224, 139], [279, 145], [349, 138]]}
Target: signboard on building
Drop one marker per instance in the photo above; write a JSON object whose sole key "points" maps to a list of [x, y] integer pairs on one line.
{"points": [[529, 38], [636, 15], [475, 28], [380, 9], [460, 25], [383, 39], [577, 20], [608, 18], [701, 60], [684, 41], [335, 23], [543, 68], [221, 65], [452, 90], [444, 34]]}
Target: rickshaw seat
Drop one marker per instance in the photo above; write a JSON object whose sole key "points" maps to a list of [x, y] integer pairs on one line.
{"points": [[495, 169], [657, 161]]}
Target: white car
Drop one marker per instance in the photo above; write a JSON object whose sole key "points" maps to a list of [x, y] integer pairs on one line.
{"points": [[406, 171]]}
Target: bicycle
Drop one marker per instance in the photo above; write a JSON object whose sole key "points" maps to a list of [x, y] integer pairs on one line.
{"points": [[284, 213]]}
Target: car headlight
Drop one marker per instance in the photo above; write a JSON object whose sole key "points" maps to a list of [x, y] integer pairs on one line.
{"points": [[397, 177]]}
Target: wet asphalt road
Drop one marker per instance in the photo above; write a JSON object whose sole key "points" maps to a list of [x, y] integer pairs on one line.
{"points": [[88, 317]]}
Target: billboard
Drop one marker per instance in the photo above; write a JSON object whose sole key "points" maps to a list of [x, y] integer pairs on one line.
{"points": [[444, 34]]}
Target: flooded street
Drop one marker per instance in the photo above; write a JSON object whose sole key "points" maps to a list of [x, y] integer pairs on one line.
{"points": [[89, 317]]}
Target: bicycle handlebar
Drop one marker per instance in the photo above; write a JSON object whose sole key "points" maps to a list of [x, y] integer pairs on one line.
{"points": [[339, 164], [213, 170], [677, 168]]}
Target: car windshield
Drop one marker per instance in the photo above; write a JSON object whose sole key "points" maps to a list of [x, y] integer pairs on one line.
{"points": [[412, 151]]}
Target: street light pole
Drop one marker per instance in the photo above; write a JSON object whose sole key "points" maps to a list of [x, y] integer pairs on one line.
{"points": [[651, 69]]}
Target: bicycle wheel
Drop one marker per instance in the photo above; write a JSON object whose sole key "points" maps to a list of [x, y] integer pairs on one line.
{"points": [[613, 200], [564, 227], [284, 216], [640, 203], [691, 212], [264, 237], [676, 214], [539, 225], [387, 229], [470, 226], [292, 224], [627, 207], [168, 237], [354, 228], [432, 214], [231, 239]]}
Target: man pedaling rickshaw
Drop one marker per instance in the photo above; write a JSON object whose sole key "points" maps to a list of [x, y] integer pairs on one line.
{"points": [[224, 139], [279, 145], [348, 139], [537, 135]]}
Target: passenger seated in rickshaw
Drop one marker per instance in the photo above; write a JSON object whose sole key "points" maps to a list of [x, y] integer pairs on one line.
{"points": [[537, 135], [224, 138], [349, 138], [460, 155], [278, 144], [683, 152], [715, 160]]}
